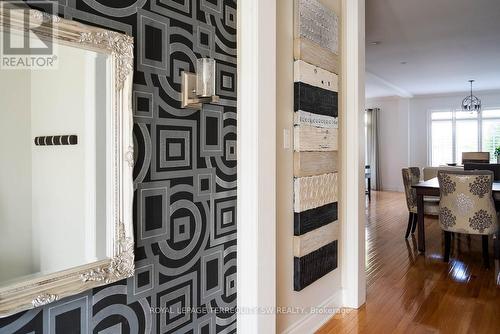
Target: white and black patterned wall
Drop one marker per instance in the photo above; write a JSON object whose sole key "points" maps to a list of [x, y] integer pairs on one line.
{"points": [[185, 179]]}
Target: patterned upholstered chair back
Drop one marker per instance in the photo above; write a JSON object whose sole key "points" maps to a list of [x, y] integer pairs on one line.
{"points": [[466, 204], [411, 176]]}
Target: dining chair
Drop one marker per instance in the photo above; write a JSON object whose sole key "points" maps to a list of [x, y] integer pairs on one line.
{"points": [[495, 168], [466, 206], [368, 177], [431, 172], [411, 176]]}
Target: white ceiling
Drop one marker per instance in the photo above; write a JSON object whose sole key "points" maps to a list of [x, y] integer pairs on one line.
{"points": [[444, 42]]}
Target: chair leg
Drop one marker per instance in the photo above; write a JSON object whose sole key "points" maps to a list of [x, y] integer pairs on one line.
{"points": [[415, 221], [447, 245], [369, 188], [496, 247], [410, 222], [486, 255]]}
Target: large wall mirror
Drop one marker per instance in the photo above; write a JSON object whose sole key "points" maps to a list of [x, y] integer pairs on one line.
{"points": [[67, 155]]}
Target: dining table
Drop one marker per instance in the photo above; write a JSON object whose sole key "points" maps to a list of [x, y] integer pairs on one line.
{"points": [[431, 188]]}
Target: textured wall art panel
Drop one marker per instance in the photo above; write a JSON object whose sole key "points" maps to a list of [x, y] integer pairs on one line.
{"points": [[309, 220], [316, 127], [311, 241], [317, 23], [315, 76], [184, 176], [315, 100], [314, 191], [308, 51], [313, 266], [312, 119], [314, 163], [316, 35], [311, 138]]}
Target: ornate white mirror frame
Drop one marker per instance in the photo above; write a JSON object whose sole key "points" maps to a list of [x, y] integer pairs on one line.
{"points": [[46, 289]]}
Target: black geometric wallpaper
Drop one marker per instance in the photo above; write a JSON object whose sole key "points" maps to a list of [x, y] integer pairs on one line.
{"points": [[184, 177]]}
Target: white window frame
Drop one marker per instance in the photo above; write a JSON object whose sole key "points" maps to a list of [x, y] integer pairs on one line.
{"points": [[480, 119]]}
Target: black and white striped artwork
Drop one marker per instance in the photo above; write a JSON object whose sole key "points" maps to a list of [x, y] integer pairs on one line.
{"points": [[316, 123]]}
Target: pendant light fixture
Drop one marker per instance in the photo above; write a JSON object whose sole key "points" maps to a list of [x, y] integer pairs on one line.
{"points": [[471, 103]]}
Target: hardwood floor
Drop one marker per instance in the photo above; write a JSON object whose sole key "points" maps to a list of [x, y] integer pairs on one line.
{"points": [[411, 293]]}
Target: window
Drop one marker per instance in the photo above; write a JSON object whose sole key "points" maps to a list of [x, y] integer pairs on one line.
{"points": [[454, 132]]}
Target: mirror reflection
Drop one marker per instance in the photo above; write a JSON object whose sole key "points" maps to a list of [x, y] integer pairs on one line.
{"points": [[53, 176]]}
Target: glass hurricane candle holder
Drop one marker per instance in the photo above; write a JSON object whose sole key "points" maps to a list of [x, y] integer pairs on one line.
{"points": [[205, 77]]}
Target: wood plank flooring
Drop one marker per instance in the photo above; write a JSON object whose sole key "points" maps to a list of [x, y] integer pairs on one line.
{"points": [[411, 293]]}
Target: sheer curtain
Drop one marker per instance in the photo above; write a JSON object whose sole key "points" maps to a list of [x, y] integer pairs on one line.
{"points": [[372, 157]]}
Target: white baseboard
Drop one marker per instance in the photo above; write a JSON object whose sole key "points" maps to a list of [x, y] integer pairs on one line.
{"points": [[313, 321]]}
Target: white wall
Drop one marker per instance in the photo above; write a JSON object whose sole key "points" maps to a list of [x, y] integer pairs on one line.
{"points": [[49, 218], [256, 193], [328, 287], [403, 130], [352, 151], [63, 206], [15, 175], [393, 139]]}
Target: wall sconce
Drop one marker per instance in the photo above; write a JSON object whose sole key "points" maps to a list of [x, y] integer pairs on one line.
{"points": [[199, 88]]}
